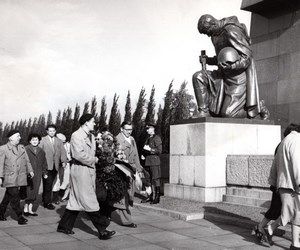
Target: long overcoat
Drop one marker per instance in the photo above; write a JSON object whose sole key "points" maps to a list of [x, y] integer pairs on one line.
{"points": [[83, 173], [39, 165], [14, 166]]}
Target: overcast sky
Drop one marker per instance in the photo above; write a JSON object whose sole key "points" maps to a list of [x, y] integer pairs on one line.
{"points": [[55, 53]]}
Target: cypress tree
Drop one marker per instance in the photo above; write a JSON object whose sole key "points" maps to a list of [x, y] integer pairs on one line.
{"points": [[114, 119], [182, 103], [151, 108], [137, 121], [86, 108], [159, 120], [1, 133], [34, 126], [28, 128], [41, 125], [76, 124], [5, 131], [128, 116], [67, 123], [94, 106], [49, 118], [103, 116], [58, 119], [166, 119]]}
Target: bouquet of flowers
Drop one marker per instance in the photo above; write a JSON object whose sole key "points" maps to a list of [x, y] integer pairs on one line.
{"points": [[111, 183]]}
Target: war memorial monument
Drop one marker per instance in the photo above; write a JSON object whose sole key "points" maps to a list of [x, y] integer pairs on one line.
{"points": [[242, 105]]}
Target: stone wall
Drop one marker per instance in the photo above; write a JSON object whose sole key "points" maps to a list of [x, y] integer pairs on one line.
{"points": [[248, 170], [275, 35]]}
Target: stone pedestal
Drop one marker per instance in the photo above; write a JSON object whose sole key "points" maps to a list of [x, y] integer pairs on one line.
{"points": [[198, 151]]}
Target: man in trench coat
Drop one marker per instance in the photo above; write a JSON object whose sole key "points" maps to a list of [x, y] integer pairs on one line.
{"points": [[14, 168], [82, 181]]}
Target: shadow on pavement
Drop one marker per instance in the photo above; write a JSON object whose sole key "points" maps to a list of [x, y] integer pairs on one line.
{"points": [[239, 225], [80, 224]]}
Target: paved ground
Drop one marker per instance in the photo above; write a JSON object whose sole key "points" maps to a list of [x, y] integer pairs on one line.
{"points": [[155, 231]]}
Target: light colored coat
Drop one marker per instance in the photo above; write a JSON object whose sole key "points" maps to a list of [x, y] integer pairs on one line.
{"points": [[286, 172], [14, 166], [130, 151], [132, 156], [55, 154], [83, 173]]}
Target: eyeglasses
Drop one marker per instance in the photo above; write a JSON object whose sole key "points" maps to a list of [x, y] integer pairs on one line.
{"points": [[128, 129]]}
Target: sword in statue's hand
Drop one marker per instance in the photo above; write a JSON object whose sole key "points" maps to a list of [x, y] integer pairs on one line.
{"points": [[202, 59]]}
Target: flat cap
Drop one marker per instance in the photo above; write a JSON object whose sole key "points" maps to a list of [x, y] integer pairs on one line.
{"points": [[12, 132], [150, 125]]}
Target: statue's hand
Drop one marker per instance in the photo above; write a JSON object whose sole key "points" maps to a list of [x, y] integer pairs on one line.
{"points": [[225, 66], [203, 58]]}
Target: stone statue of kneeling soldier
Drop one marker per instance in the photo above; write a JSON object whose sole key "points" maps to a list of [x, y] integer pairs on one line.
{"points": [[231, 90]]}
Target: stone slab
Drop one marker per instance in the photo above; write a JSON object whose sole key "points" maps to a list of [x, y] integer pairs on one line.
{"points": [[214, 194], [237, 170]]}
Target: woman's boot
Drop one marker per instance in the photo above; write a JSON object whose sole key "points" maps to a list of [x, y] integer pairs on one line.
{"points": [[30, 210], [25, 210], [157, 196]]}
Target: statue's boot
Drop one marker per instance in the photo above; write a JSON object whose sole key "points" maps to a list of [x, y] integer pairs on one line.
{"points": [[264, 112], [202, 102], [201, 114]]}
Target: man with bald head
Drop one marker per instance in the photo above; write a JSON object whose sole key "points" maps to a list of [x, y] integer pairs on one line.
{"points": [[231, 90]]}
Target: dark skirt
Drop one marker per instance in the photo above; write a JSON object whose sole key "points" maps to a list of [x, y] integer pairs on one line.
{"points": [[275, 208]]}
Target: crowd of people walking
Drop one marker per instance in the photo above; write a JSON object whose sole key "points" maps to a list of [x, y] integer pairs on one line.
{"points": [[98, 175]]}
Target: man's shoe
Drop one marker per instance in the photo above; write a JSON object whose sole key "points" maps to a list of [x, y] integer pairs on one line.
{"points": [[133, 225], [49, 206], [2, 218], [32, 214], [22, 221], [149, 199], [64, 230], [105, 235], [26, 214]]}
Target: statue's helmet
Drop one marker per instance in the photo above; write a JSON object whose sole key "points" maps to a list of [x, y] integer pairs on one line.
{"points": [[228, 55]]}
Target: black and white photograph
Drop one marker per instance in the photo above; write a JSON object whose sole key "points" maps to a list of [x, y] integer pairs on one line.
{"points": [[150, 124]]}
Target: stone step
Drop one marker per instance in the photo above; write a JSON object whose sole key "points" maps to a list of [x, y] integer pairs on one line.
{"points": [[263, 194], [247, 201]]}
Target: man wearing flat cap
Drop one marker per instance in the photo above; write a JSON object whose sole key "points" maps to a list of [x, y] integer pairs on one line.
{"points": [[83, 181], [151, 151], [14, 168]]}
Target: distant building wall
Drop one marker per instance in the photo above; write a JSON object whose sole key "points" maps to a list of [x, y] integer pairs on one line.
{"points": [[275, 34]]}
